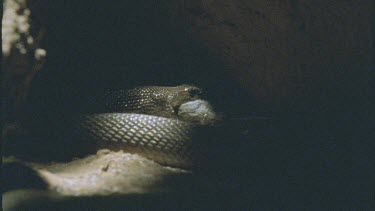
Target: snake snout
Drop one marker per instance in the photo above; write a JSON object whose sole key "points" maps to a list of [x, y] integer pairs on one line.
{"points": [[194, 91]]}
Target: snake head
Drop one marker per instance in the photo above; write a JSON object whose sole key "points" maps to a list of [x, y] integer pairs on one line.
{"points": [[188, 105], [184, 93], [194, 92]]}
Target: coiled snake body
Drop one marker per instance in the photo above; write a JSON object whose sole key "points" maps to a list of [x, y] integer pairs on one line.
{"points": [[155, 122]]}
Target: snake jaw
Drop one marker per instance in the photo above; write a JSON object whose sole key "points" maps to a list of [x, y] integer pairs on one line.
{"points": [[199, 112], [186, 93], [188, 106]]}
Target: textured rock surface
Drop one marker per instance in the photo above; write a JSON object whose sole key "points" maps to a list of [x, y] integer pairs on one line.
{"points": [[285, 50], [104, 174], [22, 58]]}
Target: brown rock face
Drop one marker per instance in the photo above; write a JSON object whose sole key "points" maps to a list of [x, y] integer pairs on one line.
{"points": [[280, 50]]}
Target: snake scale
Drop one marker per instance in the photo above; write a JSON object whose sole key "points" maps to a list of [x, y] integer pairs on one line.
{"points": [[153, 121]]}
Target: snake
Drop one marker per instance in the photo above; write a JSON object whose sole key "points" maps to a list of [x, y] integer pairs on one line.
{"points": [[156, 122]]}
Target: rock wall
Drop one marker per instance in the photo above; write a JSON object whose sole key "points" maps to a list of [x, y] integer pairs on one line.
{"points": [[284, 50]]}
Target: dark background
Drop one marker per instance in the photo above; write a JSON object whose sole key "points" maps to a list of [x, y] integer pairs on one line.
{"points": [[307, 66]]}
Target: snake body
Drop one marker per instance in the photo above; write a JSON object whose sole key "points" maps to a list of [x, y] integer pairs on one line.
{"points": [[155, 122]]}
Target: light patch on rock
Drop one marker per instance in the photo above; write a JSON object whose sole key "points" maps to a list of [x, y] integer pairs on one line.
{"points": [[109, 173], [16, 29]]}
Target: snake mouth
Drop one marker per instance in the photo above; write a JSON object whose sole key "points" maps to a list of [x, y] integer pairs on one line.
{"points": [[187, 93], [198, 112], [188, 105]]}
